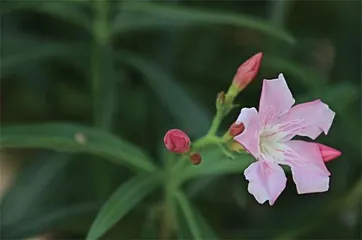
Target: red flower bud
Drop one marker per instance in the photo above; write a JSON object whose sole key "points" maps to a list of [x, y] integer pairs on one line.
{"points": [[236, 128], [247, 71], [328, 153], [177, 141], [195, 158]]}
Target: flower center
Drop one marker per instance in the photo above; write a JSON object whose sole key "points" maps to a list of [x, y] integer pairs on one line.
{"points": [[272, 145]]}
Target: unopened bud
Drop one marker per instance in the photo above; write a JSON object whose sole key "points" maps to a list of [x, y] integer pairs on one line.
{"points": [[236, 128], [177, 141], [244, 75], [328, 153], [247, 71], [195, 158]]}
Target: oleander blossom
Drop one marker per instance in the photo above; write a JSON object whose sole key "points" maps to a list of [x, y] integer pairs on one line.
{"points": [[268, 137]]}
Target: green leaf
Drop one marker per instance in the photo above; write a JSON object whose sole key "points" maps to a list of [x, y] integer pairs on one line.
{"points": [[75, 138], [48, 220], [191, 224], [207, 231], [29, 188], [170, 14], [309, 78], [103, 71], [122, 201], [218, 166], [70, 12], [332, 95], [129, 21], [213, 166], [149, 229], [34, 53], [23, 51], [37, 202], [309, 218], [188, 112], [104, 89], [194, 189]]}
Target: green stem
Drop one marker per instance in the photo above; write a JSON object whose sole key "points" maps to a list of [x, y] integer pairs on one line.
{"points": [[206, 141], [100, 33], [99, 58], [101, 62], [216, 123], [167, 217], [100, 23], [196, 146]]}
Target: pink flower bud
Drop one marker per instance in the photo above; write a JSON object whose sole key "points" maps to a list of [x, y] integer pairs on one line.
{"points": [[247, 71], [177, 141], [235, 129], [328, 153]]}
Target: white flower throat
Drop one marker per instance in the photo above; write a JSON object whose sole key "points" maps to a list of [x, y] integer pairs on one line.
{"points": [[271, 143]]}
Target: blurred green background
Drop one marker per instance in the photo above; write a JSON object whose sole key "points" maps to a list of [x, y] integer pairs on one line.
{"points": [[83, 82]]}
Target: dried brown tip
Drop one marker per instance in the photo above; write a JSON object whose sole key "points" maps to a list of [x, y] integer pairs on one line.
{"points": [[195, 158]]}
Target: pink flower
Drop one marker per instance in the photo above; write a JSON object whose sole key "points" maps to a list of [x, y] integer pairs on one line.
{"points": [[247, 71], [328, 153], [177, 141], [268, 137]]}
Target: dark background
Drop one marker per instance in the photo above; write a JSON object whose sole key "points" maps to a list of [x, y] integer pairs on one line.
{"points": [[147, 66]]}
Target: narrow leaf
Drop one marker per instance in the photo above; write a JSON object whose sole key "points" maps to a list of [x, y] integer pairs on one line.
{"points": [[149, 229], [191, 224], [121, 202], [104, 90], [188, 112], [30, 187], [66, 11], [168, 14], [75, 138], [307, 76], [332, 95], [103, 72], [207, 231], [221, 166], [35, 53], [47, 220]]}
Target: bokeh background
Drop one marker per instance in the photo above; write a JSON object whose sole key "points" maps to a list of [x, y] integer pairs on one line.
{"points": [[138, 68]]}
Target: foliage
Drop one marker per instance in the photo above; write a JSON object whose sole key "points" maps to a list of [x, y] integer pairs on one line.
{"points": [[84, 82]]}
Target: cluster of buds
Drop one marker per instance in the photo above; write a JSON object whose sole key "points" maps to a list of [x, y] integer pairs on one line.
{"points": [[179, 142]]}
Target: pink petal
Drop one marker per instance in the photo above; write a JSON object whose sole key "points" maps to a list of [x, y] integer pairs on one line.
{"points": [[313, 117], [266, 181], [310, 174], [276, 99], [249, 138]]}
